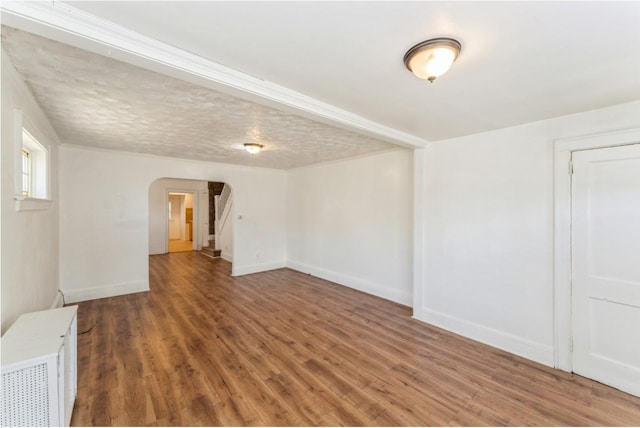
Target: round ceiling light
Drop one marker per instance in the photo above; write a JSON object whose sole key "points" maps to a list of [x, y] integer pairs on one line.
{"points": [[253, 148], [432, 58]]}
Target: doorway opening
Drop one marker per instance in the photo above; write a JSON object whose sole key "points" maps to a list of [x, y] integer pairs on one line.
{"points": [[180, 224], [191, 215], [220, 221]]}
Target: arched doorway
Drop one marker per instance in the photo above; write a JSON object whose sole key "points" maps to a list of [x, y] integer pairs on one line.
{"points": [[191, 215]]}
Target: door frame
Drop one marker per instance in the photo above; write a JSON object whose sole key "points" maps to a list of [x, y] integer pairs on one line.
{"points": [[563, 149]]}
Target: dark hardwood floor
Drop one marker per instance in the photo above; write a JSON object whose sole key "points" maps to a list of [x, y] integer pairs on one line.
{"points": [[284, 348]]}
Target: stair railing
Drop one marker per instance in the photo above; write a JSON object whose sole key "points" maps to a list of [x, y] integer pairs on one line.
{"points": [[223, 209], [224, 198]]}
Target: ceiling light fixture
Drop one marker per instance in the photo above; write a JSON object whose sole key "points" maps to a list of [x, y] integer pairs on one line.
{"points": [[432, 58], [253, 148]]}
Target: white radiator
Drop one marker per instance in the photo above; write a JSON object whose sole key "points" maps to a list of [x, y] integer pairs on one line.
{"points": [[39, 369]]}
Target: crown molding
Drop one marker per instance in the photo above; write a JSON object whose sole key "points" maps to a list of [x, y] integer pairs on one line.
{"points": [[66, 24]]}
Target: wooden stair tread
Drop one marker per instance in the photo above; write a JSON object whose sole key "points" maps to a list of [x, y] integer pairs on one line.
{"points": [[210, 251]]}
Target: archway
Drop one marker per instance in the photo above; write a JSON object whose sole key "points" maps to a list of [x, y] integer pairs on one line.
{"points": [[202, 228]]}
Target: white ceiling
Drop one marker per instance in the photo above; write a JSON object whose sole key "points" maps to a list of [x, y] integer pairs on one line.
{"points": [[96, 101], [520, 61]]}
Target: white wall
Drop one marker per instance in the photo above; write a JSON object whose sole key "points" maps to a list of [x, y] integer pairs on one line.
{"points": [[350, 222], [29, 267], [488, 253], [158, 210], [104, 217]]}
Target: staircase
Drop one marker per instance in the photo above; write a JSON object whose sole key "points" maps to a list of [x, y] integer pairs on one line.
{"points": [[210, 251]]}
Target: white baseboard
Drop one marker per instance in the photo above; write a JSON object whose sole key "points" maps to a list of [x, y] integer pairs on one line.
{"points": [[92, 293], [526, 348], [226, 256], [57, 302], [398, 296], [262, 267]]}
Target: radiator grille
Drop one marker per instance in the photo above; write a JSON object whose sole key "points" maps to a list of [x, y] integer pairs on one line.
{"points": [[25, 397]]}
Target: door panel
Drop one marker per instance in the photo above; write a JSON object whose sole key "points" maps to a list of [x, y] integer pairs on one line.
{"points": [[174, 221], [606, 265]]}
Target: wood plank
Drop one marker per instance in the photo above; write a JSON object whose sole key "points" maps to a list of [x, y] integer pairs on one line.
{"points": [[281, 348]]}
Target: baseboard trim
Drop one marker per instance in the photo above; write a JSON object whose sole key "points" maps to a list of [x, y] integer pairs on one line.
{"points": [[528, 349], [226, 256], [359, 284], [262, 267], [57, 302], [92, 293]]}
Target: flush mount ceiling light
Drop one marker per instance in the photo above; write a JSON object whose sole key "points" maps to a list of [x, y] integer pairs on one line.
{"points": [[432, 58], [253, 148]]}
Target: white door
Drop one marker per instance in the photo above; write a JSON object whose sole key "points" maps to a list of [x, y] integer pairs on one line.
{"points": [[175, 216], [606, 265]]}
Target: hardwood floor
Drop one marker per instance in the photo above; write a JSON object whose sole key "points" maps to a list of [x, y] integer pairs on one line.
{"points": [[178, 245], [284, 348]]}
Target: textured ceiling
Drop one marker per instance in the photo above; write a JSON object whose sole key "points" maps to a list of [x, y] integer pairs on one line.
{"points": [[96, 101]]}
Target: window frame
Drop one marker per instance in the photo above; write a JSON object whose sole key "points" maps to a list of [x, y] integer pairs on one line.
{"points": [[29, 139], [26, 175]]}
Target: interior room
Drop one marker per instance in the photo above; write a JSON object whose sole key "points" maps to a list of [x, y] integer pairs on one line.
{"points": [[324, 213]]}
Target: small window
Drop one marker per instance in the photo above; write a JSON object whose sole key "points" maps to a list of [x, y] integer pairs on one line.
{"points": [[34, 167], [31, 170]]}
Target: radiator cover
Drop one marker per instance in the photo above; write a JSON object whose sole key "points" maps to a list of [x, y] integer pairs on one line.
{"points": [[39, 369]]}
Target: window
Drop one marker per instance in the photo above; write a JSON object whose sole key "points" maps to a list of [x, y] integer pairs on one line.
{"points": [[34, 167], [31, 167]]}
